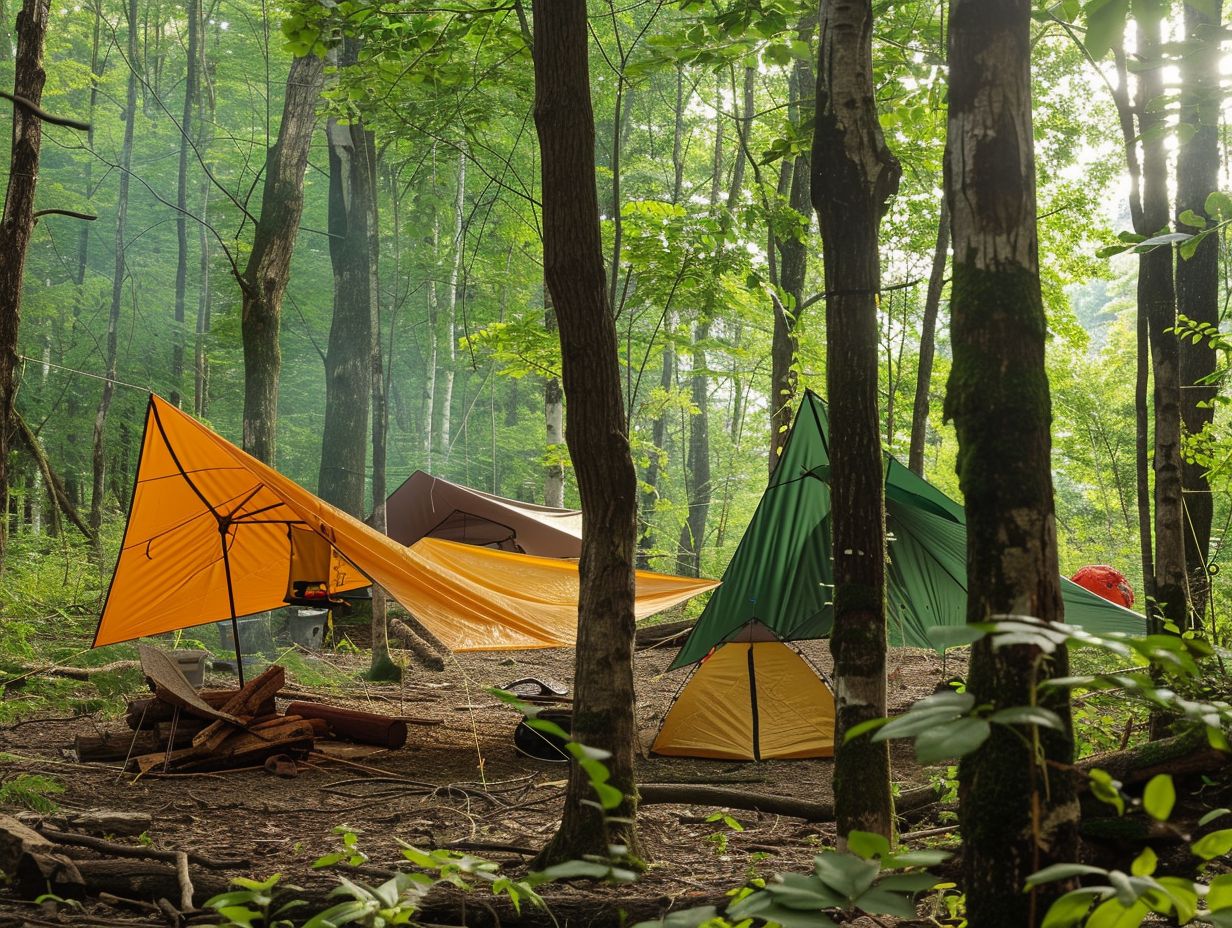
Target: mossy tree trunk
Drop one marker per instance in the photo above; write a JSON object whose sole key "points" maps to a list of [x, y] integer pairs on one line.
{"points": [[1016, 814], [595, 432], [854, 176], [263, 281], [1197, 278]]}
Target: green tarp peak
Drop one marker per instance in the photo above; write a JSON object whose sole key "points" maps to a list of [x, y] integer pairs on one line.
{"points": [[782, 576]]}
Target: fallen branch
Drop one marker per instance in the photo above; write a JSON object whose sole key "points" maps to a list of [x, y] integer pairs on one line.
{"points": [[143, 853], [411, 641], [186, 886], [73, 673], [688, 794]]}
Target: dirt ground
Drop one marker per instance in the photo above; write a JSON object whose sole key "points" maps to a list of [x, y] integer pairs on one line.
{"points": [[283, 825]]}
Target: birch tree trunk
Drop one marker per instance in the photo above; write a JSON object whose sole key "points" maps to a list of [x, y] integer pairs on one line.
{"points": [[446, 353], [191, 80], [596, 434], [854, 177], [1017, 815]]}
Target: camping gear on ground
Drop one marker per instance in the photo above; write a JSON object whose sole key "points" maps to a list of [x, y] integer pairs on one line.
{"points": [[781, 579], [426, 506], [543, 745], [532, 689], [755, 697], [782, 574], [307, 627], [1107, 582], [207, 539]]}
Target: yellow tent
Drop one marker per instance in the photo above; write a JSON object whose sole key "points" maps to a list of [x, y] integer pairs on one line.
{"points": [[754, 698], [210, 537]]}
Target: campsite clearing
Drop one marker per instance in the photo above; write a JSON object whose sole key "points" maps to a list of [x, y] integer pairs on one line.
{"points": [[460, 783]]}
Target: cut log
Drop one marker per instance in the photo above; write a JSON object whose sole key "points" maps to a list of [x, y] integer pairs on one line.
{"points": [[156, 710], [119, 824], [246, 702], [115, 745], [405, 636], [1189, 753], [354, 725], [236, 749], [688, 794], [133, 879]]}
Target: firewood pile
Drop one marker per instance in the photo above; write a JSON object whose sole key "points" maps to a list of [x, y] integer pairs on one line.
{"points": [[183, 730]]}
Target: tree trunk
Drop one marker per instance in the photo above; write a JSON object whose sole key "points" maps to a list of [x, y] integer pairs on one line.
{"points": [[191, 80], [1197, 279], [554, 418], [793, 259], [430, 365], [1157, 301], [1015, 817], [658, 453], [928, 333], [17, 223], [348, 361], [264, 279], [446, 352], [596, 433], [854, 176], [98, 458]]}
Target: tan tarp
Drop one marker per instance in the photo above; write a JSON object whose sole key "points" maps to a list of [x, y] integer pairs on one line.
{"points": [[427, 506], [750, 700], [208, 537]]}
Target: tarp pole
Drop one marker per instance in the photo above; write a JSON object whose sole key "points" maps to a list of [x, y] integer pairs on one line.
{"points": [[235, 625]]}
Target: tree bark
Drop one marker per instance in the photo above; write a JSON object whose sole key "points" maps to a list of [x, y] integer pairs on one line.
{"points": [[264, 280], [793, 259], [17, 222], [191, 81], [928, 338], [98, 459], [596, 433], [1197, 278], [1016, 818], [348, 361], [554, 420], [1157, 301], [854, 176]]}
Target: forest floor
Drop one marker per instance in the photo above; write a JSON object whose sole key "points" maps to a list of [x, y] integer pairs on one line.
{"points": [[284, 825]]}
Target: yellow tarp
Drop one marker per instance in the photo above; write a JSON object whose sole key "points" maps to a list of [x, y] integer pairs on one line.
{"points": [[196, 492], [753, 700]]}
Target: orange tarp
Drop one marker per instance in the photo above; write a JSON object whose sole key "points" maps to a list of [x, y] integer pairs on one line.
{"points": [[196, 492]]}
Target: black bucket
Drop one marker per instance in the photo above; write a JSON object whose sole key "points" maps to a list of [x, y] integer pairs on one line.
{"points": [[540, 744]]}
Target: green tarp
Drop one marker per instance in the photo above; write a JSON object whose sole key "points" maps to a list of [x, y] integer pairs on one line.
{"points": [[781, 574]]}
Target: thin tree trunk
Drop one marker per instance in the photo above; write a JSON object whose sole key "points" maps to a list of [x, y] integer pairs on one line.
{"points": [[928, 338], [17, 222], [554, 418], [793, 258], [446, 354], [1157, 300], [1017, 815], [191, 80], [264, 279], [430, 367], [596, 434], [1197, 279], [854, 176], [117, 290]]}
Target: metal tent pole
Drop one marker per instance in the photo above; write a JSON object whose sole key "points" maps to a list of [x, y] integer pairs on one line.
{"points": [[223, 525]]}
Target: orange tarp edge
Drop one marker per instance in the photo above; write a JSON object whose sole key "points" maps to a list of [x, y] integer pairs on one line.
{"points": [[196, 491]]}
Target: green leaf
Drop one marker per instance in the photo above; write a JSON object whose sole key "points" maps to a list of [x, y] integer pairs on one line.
{"points": [[1105, 24], [1218, 205], [1062, 872], [1144, 864], [1106, 789], [953, 739], [1159, 797], [867, 844], [1219, 893], [683, 918], [845, 873], [1112, 914], [805, 891], [1216, 844], [1212, 815], [1027, 715], [1190, 218], [1071, 908]]}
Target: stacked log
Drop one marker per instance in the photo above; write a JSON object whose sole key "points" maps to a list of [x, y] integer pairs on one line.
{"points": [[230, 729]]}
